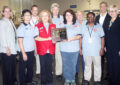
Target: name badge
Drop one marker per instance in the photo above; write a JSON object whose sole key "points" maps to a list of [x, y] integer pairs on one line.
{"points": [[90, 40]]}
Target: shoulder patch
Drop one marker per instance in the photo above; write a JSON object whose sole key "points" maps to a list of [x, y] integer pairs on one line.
{"points": [[95, 30], [75, 26]]}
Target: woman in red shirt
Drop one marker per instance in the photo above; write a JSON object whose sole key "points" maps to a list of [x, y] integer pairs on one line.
{"points": [[45, 47]]}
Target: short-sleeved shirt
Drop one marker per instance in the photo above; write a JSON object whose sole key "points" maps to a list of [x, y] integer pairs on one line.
{"points": [[28, 33], [91, 40], [58, 21], [72, 46]]}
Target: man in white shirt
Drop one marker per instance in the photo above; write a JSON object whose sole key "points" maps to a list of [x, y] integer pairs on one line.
{"points": [[102, 17], [33, 22]]}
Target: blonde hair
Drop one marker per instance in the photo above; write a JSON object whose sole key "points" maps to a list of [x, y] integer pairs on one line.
{"points": [[55, 5], [113, 7], [5, 7], [49, 16]]}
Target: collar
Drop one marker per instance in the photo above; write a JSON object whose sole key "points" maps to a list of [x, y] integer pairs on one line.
{"points": [[34, 17], [46, 25], [78, 21], [94, 23], [57, 17], [25, 24], [104, 15]]}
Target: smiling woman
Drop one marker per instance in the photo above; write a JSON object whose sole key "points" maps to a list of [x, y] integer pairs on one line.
{"points": [[92, 49], [8, 47], [113, 46], [70, 48], [45, 46], [26, 39], [113, 11]]}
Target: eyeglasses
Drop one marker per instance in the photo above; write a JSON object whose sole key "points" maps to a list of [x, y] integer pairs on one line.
{"points": [[90, 17]]}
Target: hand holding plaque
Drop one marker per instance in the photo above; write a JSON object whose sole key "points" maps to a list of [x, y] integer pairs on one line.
{"points": [[59, 34]]}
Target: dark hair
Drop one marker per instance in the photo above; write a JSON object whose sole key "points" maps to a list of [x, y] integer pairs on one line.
{"points": [[34, 6], [73, 14], [93, 15], [25, 11]]}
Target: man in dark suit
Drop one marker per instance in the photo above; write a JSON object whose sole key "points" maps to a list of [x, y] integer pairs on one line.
{"points": [[103, 19]]}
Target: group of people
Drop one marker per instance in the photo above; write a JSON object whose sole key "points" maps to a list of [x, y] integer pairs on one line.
{"points": [[92, 39]]}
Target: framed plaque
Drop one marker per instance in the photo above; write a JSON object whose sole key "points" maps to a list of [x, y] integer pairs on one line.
{"points": [[59, 34]]}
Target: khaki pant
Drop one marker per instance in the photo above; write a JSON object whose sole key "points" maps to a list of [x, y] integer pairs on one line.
{"points": [[37, 64], [96, 60], [58, 60]]}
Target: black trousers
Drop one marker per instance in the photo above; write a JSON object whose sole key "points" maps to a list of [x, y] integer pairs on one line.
{"points": [[113, 62], [8, 69], [46, 68], [26, 68], [102, 65]]}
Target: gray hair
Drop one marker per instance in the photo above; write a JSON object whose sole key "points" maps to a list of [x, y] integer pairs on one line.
{"points": [[55, 5]]}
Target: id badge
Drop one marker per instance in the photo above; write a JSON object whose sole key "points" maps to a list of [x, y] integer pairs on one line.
{"points": [[90, 40]]}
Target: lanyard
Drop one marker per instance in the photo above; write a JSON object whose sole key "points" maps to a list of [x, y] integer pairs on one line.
{"points": [[90, 32], [110, 25]]}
